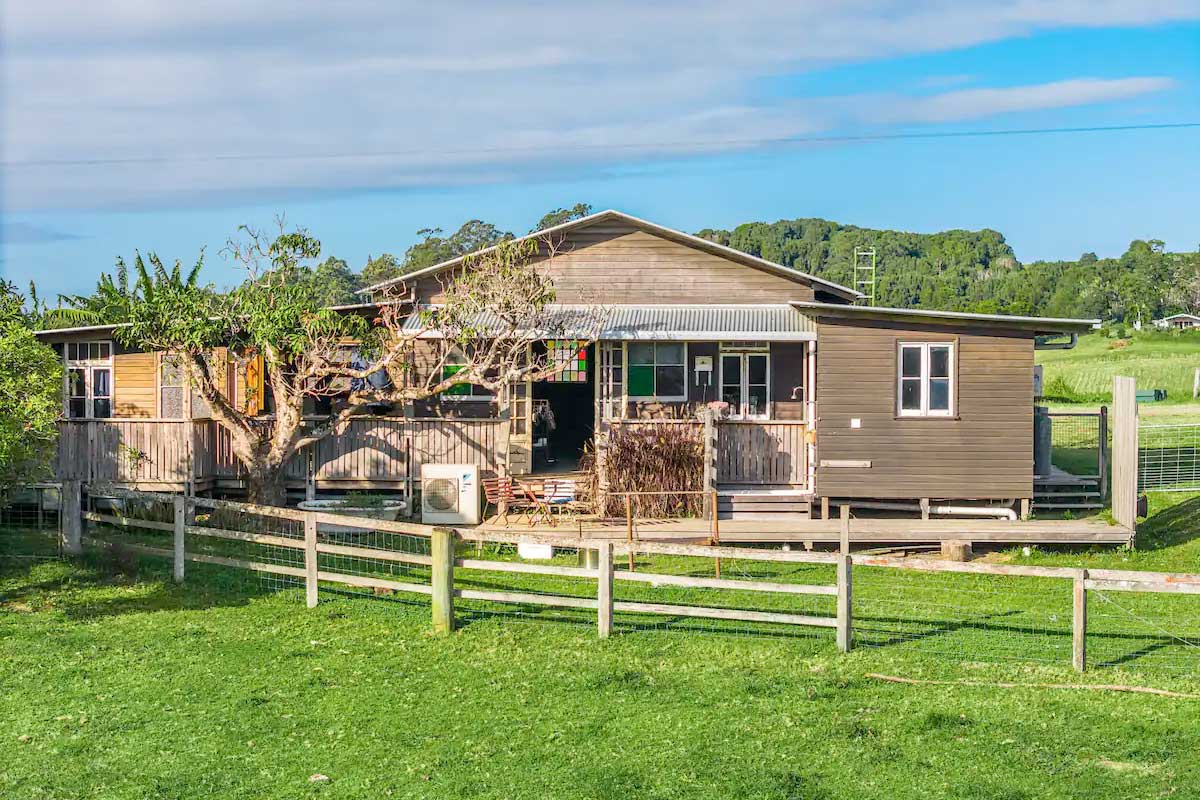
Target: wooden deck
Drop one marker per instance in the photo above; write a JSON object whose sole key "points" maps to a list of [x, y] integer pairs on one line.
{"points": [[812, 532]]}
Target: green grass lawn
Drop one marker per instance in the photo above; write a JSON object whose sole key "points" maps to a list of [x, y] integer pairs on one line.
{"points": [[132, 687], [1156, 360]]}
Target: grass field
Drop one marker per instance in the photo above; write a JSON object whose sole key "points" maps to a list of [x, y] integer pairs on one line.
{"points": [[1156, 360], [118, 687]]}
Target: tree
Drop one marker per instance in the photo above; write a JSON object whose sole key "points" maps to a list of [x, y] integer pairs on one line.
{"points": [[560, 215], [378, 270], [308, 351], [30, 396]]}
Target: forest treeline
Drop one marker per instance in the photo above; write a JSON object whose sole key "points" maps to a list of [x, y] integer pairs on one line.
{"points": [[955, 270]]}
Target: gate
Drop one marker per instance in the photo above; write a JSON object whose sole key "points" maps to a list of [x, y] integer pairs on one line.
{"points": [[1169, 458]]}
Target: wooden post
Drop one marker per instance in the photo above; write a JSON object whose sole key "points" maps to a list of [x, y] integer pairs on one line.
{"points": [[604, 591], [1079, 623], [71, 517], [924, 508], [629, 527], [824, 508], [1026, 507], [180, 521], [1102, 455], [1196, 383], [844, 591], [310, 559], [1125, 452], [442, 578], [310, 472], [708, 480], [716, 531]]}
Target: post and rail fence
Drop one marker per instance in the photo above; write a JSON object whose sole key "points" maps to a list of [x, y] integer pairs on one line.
{"points": [[316, 549]]}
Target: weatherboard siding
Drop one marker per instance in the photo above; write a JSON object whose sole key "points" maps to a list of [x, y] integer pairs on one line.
{"points": [[986, 451], [616, 263]]}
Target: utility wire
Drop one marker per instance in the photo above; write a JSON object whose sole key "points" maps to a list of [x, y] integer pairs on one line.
{"points": [[697, 145]]}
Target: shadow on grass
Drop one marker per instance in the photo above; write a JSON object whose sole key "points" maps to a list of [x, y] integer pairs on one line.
{"points": [[1171, 526], [93, 587]]}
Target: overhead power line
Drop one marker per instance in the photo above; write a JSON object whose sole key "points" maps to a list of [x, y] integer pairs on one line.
{"points": [[565, 148]]}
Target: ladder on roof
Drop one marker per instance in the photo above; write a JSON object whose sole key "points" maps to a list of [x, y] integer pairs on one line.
{"points": [[864, 274]]}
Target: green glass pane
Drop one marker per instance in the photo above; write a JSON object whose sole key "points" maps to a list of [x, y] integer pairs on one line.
{"points": [[641, 381]]}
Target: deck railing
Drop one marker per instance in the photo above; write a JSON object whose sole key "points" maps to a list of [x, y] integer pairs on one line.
{"points": [[171, 452]]}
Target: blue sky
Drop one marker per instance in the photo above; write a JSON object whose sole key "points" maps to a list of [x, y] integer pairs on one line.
{"points": [[119, 120]]}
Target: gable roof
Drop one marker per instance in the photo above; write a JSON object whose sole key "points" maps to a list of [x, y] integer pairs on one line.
{"points": [[1180, 315], [670, 234]]}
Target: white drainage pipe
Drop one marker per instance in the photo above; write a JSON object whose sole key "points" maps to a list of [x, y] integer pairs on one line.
{"points": [[1000, 512]]}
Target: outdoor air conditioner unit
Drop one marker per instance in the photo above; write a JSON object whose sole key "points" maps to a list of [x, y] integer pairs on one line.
{"points": [[450, 494]]}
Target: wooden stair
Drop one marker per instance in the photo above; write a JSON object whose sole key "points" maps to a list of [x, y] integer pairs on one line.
{"points": [[1064, 492], [763, 503]]}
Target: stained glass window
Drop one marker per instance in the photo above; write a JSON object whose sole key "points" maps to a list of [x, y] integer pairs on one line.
{"points": [[573, 355]]}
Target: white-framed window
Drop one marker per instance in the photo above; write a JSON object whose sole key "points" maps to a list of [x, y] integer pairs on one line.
{"points": [[925, 379], [657, 371], [88, 380], [746, 382]]}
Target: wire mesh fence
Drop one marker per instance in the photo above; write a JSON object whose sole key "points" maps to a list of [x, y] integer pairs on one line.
{"points": [[958, 618], [1169, 458], [934, 612], [1145, 632], [30, 519], [1075, 442]]}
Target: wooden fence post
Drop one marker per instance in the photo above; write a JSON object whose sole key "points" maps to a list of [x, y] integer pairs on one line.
{"points": [[1125, 453], [442, 578], [71, 517], [1079, 623], [716, 531], [310, 559], [708, 480], [604, 590], [629, 527], [180, 521], [844, 590]]}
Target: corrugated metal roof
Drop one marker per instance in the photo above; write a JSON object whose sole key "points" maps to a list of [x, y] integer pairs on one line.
{"points": [[746, 322]]}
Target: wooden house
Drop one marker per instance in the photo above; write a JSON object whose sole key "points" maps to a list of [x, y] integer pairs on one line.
{"points": [[821, 397]]}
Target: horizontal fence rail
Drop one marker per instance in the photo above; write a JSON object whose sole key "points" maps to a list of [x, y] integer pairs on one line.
{"points": [[874, 598]]}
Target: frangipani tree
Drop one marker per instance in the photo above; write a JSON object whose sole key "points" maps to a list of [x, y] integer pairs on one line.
{"points": [[495, 305]]}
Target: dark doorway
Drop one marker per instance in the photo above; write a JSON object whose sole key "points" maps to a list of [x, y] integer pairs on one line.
{"points": [[564, 415]]}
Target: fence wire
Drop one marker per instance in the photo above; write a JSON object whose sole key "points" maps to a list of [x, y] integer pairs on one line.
{"points": [[1075, 442], [1153, 632], [1169, 458], [942, 619], [955, 617], [30, 524]]}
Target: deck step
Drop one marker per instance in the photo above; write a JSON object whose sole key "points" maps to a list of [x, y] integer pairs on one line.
{"points": [[1039, 504], [765, 505]]}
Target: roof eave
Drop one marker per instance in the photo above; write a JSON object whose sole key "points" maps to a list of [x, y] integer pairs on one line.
{"points": [[1036, 325]]}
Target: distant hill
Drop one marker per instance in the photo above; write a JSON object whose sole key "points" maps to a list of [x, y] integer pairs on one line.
{"points": [[960, 270]]}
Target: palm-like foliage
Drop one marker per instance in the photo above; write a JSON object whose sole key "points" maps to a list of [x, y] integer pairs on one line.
{"points": [[112, 301]]}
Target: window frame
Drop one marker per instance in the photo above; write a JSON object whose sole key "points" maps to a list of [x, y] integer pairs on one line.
{"points": [[484, 395], [657, 398], [89, 365], [925, 379], [743, 355]]}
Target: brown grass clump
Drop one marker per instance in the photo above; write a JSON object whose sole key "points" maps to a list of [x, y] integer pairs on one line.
{"points": [[651, 458]]}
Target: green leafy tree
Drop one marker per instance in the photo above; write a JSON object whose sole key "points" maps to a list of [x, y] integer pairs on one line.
{"points": [[31, 386], [560, 215], [378, 270], [309, 351]]}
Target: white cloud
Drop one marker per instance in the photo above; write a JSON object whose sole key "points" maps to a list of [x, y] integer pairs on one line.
{"points": [[966, 104], [458, 91]]}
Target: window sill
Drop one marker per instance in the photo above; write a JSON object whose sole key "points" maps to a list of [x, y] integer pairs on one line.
{"points": [[926, 418], [655, 399]]}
